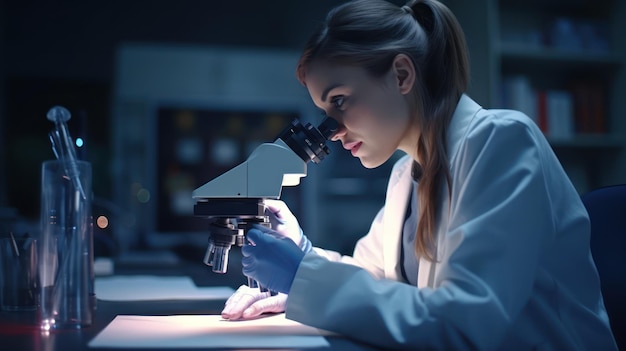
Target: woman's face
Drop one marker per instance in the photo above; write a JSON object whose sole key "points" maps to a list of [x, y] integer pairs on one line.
{"points": [[373, 114]]}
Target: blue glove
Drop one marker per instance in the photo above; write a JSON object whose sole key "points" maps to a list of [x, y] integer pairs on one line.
{"points": [[285, 223], [271, 259]]}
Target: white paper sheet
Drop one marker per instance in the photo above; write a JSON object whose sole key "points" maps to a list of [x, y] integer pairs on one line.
{"points": [[207, 331], [154, 288]]}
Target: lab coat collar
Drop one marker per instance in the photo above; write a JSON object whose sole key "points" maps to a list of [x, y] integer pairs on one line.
{"points": [[463, 115], [398, 194]]}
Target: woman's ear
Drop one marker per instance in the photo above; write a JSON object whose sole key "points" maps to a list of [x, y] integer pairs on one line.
{"points": [[404, 73]]}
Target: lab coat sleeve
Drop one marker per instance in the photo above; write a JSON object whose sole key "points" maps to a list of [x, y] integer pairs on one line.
{"points": [[367, 252], [500, 219]]}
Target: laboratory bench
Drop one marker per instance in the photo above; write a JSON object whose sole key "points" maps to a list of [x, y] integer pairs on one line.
{"points": [[19, 330]]}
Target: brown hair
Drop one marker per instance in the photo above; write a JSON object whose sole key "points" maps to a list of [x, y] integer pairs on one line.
{"points": [[370, 34]]}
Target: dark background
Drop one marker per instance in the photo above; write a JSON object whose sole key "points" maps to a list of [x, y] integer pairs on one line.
{"points": [[63, 52]]}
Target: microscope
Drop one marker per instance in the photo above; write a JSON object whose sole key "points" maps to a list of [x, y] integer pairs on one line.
{"points": [[234, 201]]}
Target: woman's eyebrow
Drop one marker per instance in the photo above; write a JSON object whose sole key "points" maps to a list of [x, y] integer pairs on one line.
{"points": [[327, 90]]}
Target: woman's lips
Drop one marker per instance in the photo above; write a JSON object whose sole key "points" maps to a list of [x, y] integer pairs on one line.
{"points": [[353, 147]]}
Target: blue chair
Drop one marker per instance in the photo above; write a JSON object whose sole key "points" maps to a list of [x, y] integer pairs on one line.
{"points": [[607, 212]]}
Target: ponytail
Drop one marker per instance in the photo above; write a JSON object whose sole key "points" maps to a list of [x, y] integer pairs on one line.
{"points": [[445, 78]]}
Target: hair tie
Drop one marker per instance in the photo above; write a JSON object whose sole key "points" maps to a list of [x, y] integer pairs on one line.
{"points": [[408, 10]]}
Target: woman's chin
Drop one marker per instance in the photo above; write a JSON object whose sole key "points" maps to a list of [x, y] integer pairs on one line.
{"points": [[370, 163]]}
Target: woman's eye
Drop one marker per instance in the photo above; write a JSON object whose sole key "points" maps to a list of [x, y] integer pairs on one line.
{"points": [[338, 102]]}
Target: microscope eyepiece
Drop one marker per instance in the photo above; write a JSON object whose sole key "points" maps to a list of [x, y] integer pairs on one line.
{"points": [[328, 127], [307, 141]]}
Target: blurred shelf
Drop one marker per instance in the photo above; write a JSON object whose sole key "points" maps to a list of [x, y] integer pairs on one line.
{"points": [[526, 54], [588, 8], [590, 141]]}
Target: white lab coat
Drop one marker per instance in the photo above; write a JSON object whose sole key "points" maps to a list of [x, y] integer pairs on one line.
{"points": [[514, 269]]}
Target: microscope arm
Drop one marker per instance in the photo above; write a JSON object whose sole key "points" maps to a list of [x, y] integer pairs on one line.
{"points": [[270, 167]]}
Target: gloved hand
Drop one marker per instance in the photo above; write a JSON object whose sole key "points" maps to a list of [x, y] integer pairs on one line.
{"points": [[286, 224], [270, 259], [248, 303]]}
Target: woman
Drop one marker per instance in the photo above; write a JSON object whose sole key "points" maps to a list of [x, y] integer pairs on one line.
{"points": [[483, 242]]}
